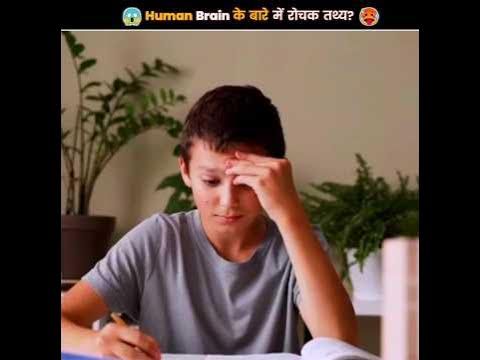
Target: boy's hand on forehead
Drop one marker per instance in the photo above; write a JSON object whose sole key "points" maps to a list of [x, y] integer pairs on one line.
{"points": [[270, 178]]}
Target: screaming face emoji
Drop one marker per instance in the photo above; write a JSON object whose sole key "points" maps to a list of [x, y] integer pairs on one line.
{"points": [[369, 16], [132, 16]]}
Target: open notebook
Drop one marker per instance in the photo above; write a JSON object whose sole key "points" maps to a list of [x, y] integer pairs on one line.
{"points": [[315, 349]]}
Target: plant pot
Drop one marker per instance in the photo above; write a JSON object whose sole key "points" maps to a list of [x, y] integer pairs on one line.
{"points": [[85, 240], [367, 285]]}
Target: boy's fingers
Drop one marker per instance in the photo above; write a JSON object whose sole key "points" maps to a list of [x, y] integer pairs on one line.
{"points": [[127, 352], [246, 180], [143, 342], [253, 157], [245, 168], [266, 164]]}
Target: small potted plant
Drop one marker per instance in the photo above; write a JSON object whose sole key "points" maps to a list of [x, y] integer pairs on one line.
{"points": [[109, 115], [356, 219]]}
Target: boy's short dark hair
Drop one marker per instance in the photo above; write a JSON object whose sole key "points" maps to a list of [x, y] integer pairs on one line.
{"points": [[234, 115]]}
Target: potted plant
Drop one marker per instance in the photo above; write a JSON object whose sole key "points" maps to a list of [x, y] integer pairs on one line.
{"points": [[109, 115], [356, 219]]}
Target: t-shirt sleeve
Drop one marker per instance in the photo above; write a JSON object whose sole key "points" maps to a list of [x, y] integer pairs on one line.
{"points": [[323, 241], [120, 276]]}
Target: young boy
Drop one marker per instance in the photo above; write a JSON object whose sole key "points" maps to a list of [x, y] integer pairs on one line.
{"points": [[230, 277]]}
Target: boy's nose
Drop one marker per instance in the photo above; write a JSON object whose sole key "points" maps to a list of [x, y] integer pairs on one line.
{"points": [[229, 195]]}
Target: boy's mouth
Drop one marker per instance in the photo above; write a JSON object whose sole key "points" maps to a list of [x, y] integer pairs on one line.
{"points": [[230, 218]]}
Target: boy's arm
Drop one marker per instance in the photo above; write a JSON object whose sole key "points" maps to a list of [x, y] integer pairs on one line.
{"points": [[324, 303], [81, 306]]}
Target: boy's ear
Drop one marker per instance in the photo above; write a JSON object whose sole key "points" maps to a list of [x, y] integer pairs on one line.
{"points": [[184, 172]]}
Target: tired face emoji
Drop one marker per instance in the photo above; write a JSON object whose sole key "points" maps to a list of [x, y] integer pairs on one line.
{"points": [[369, 16]]}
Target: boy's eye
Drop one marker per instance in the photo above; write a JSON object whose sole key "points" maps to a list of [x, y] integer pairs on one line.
{"points": [[211, 182]]}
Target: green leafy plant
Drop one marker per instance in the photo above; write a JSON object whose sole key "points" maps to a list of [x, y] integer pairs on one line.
{"points": [[109, 115], [181, 199], [360, 216]]}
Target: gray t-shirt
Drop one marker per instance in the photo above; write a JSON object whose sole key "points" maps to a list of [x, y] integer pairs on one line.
{"points": [[167, 276]]}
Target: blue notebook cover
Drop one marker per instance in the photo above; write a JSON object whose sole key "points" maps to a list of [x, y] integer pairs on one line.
{"points": [[72, 356]]}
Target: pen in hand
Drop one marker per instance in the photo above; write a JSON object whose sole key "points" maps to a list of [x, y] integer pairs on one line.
{"points": [[118, 320]]}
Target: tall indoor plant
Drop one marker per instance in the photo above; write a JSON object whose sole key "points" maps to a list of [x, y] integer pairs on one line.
{"points": [[356, 218], [108, 116]]}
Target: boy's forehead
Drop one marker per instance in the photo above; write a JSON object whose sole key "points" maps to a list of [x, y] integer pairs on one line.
{"points": [[203, 152]]}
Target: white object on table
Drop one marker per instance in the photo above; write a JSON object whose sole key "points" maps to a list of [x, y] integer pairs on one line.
{"points": [[400, 324]]}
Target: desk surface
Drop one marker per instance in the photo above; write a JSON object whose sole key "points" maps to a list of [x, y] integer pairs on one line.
{"points": [[273, 356]]}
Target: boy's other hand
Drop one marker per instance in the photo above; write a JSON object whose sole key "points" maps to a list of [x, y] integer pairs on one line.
{"points": [[272, 181]]}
